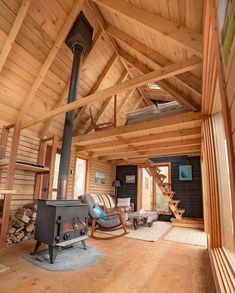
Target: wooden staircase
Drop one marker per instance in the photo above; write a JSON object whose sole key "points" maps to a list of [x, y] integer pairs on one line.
{"points": [[166, 191]]}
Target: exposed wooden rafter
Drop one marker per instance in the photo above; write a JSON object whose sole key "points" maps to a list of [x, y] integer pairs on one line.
{"points": [[106, 103], [144, 140], [137, 128], [156, 75], [179, 150], [112, 41], [185, 38], [154, 58], [14, 31], [179, 96], [51, 56], [149, 147], [102, 76]]}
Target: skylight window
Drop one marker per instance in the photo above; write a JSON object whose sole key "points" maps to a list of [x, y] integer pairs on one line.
{"points": [[153, 85]]}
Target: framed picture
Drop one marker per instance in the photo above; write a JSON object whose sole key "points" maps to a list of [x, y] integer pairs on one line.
{"points": [[185, 173], [130, 179], [99, 178]]}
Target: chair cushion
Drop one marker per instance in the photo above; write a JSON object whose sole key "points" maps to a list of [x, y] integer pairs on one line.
{"points": [[100, 213], [124, 202], [104, 200]]}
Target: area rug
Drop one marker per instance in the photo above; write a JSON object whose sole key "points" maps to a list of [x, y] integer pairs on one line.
{"points": [[145, 233], [188, 236], [66, 260]]}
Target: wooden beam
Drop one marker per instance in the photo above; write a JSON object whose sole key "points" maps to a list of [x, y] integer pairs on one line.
{"points": [[155, 59], [124, 101], [156, 75], [101, 77], [106, 103], [179, 35], [14, 31], [179, 96], [143, 148], [162, 123], [179, 150], [143, 140], [51, 56]]}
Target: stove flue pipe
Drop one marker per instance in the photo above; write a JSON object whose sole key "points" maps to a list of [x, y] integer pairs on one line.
{"points": [[79, 41]]}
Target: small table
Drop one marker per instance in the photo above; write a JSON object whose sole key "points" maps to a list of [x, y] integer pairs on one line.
{"points": [[146, 217]]}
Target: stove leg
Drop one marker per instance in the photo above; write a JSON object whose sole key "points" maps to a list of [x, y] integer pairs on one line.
{"points": [[52, 253], [37, 245], [84, 244]]}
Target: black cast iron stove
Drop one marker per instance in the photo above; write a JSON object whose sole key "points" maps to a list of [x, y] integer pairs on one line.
{"points": [[61, 222]]}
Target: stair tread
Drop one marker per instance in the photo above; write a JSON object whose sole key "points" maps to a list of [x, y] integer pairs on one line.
{"points": [[175, 201], [169, 192], [180, 211]]}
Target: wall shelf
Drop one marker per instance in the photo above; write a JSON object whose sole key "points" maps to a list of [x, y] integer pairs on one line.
{"points": [[26, 167]]}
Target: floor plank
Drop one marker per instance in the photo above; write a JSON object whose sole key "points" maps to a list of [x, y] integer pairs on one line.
{"points": [[126, 265]]}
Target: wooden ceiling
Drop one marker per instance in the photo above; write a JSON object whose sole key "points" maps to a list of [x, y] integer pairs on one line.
{"points": [[131, 40]]}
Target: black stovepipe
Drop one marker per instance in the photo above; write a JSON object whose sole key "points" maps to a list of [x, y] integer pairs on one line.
{"points": [[78, 52]]}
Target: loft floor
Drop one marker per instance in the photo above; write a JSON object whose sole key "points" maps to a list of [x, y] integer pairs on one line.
{"points": [[127, 266]]}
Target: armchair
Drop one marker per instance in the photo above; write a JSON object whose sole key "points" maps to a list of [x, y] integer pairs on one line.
{"points": [[104, 221]]}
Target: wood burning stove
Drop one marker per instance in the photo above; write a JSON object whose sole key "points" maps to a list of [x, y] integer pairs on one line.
{"points": [[60, 223]]}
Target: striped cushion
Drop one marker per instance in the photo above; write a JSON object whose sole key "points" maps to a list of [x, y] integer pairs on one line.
{"points": [[103, 200]]}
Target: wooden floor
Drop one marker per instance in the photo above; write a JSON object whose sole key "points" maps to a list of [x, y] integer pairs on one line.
{"points": [[127, 265]]}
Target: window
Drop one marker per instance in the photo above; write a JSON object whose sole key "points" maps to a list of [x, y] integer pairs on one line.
{"points": [[80, 177], [224, 187], [56, 175], [165, 169]]}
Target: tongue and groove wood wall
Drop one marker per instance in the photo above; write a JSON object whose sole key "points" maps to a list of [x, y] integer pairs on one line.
{"points": [[24, 181]]}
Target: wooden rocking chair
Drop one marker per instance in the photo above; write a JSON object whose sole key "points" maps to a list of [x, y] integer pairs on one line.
{"points": [[106, 125], [109, 221]]}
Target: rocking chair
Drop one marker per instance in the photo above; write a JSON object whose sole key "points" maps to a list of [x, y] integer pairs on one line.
{"points": [[104, 221]]}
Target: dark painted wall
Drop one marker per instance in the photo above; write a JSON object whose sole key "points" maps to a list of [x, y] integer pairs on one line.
{"points": [[188, 192], [127, 189]]}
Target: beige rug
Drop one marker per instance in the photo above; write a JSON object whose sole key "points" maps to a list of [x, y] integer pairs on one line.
{"points": [[188, 236], [145, 233]]}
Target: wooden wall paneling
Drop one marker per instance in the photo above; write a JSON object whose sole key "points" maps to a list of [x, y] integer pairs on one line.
{"points": [[9, 183], [110, 173], [3, 146], [13, 33], [39, 177]]}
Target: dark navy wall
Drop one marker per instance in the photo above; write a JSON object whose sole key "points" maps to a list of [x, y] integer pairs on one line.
{"points": [[127, 189], [188, 192]]}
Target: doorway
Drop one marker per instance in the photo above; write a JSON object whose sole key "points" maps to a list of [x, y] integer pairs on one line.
{"points": [[80, 177]]}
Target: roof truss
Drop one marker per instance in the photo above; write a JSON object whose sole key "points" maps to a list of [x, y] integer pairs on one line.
{"points": [[156, 75]]}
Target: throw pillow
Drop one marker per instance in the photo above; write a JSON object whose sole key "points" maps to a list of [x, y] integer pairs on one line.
{"points": [[124, 202], [100, 213]]}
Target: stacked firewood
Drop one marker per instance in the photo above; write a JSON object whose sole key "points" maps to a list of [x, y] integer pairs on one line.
{"points": [[22, 224]]}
